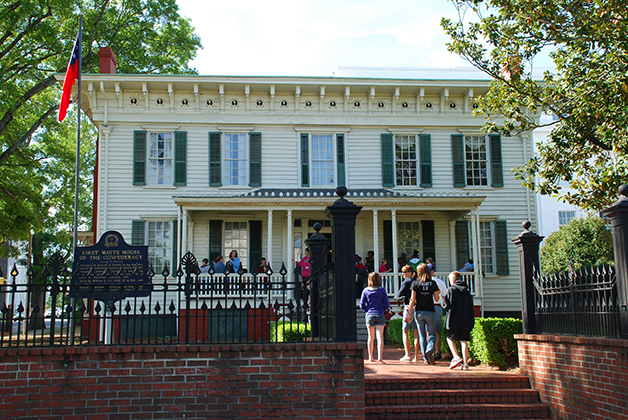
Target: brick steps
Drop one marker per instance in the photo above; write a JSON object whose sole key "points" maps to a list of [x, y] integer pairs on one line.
{"points": [[453, 397]]}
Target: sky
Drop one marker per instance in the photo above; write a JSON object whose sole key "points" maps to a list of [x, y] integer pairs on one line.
{"points": [[314, 37]]}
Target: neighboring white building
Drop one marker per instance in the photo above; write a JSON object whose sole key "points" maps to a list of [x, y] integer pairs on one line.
{"points": [[553, 212], [213, 163]]}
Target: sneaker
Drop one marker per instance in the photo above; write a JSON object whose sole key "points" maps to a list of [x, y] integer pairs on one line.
{"points": [[465, 367], [438, 356], [455, 362], [429, 355]]}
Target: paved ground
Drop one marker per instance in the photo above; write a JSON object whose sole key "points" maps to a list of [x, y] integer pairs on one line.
{"points": [[393, 368]]}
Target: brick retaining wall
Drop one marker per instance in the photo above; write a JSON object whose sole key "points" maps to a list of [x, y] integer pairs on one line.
{"points": [[257, 381], [579, 378]]}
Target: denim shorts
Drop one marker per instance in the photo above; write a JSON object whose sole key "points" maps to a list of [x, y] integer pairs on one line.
{"points": [[375, 319], [438, 317]]}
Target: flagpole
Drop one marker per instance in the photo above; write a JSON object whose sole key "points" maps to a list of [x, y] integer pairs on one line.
{"points": [[78, 169]]}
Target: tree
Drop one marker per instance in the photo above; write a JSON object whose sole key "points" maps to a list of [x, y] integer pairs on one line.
{"points": [[587, 41], [587, 241], [36, 152]]}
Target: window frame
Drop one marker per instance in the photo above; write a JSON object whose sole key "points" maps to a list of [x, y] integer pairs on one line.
{"points": [[151, 180], [338, 162], [245, 161], [562, 213], [167, 241]]}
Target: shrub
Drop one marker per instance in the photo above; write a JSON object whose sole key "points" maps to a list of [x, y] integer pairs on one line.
{"points": [[493, 342], [287, 331]]}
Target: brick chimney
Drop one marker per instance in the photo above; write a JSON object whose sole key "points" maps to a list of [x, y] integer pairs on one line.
{"points": [[107, 60]]}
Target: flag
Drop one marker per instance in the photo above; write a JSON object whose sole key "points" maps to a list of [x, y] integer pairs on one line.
{"points": [[71, 74]]}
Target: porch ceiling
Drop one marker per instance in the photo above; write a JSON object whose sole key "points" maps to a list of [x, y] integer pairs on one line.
{"points": [[456, 203]]}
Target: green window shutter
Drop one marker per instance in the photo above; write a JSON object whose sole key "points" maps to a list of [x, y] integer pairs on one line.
{"points": [[180, 157], [462, 242], [255, 245], [175, 249], [340, 158], [425, 149], [497, 171], [305, 160], [501, 243], [255, 159], [388, 160], [388, 244], [137, 232], [215, 179], [139, 157], [457, 151], [429, 239], [215, 239]]}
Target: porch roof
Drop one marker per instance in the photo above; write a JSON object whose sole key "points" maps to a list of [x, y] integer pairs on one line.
{"points": [[306, 198]]}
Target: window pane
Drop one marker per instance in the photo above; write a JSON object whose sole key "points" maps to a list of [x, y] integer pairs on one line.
{"points": [[408, 238], [235, 163], [322, 160], [405, 160], [159, 245], [160, 159], [476, 160]]}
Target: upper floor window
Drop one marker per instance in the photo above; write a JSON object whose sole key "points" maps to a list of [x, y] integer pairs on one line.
{"points": [[322, 160], [477, 160], [160, 159], [235, 159], [565, 216], [406, 160]]}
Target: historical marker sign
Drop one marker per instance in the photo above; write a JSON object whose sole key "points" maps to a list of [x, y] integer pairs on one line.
{"points": [[111, 270]]}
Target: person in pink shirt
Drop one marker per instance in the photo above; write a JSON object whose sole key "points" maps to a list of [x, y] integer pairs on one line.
{"points": [[304, 264]]}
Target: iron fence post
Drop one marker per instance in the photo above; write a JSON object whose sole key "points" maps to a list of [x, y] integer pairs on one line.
{"points": [[618, 216], [317, 243], [343, 214], [528, 246]]}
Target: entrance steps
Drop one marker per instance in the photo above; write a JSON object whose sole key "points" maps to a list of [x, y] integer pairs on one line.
{"points": [[453, 397]]}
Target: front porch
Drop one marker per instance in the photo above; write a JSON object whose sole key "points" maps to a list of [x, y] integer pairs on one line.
{"points": [[442, 226]]}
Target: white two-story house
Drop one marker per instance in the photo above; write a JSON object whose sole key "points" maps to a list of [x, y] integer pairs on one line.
{"points": [[209, 164]]}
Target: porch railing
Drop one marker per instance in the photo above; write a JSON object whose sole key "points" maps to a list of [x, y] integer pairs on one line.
{"points": [[391, 282]]}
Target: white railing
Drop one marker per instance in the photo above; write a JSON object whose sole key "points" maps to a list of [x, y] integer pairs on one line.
{"points": [[392, 282]]}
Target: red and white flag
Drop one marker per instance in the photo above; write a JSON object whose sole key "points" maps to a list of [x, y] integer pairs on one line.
{"points": [[71, 74]]}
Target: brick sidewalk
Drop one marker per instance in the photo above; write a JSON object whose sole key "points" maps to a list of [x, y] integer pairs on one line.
{"points": [[396, 369]]}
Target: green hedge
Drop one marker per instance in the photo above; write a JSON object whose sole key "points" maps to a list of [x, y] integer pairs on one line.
{"points": [[492, 340], [287, 331]]}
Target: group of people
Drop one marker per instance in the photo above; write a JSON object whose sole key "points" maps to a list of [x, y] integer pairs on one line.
{"points": [[233, 264], [424, 297]]}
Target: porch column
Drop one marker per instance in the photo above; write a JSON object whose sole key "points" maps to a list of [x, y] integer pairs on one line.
{"points": [[179, 235], [452, 245], [290, 247], [477, 255], [184, 239], [375, 241], [269, 244], [191, 237], [393, 214]]}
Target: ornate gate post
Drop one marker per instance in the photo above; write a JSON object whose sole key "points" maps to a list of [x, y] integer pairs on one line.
{"points": [[618, 216], [528, 245], [343, 214]]}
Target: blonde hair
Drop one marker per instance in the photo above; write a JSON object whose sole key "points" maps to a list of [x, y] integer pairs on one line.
{"points": [[424, 273], [374, 280], [455, 275]]}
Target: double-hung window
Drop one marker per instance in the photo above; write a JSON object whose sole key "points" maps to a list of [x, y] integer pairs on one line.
{"points": [[477, 160], [322, 160], [160, 236], [565, 216], [235, 159], [406, 160], [159, 158]]}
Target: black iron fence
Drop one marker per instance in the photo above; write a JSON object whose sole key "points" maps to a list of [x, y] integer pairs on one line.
{"points": [[578, 302], [189, 307]]}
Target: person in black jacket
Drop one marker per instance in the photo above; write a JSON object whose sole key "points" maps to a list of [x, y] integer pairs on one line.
{"points": [[460, 319]]}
